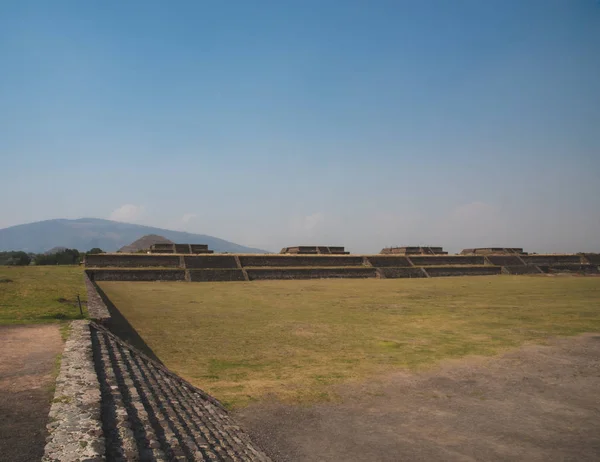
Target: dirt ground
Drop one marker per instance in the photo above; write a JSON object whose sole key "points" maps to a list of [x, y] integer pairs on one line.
{"points": [[27, 358], [537, 403]]}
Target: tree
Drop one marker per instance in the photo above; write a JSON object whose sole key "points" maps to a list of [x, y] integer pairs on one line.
{"points": [[64, 257], [95, 250], [14, 258]]}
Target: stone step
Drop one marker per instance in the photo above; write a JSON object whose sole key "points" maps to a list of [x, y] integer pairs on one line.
{"points": [[151, 414]]}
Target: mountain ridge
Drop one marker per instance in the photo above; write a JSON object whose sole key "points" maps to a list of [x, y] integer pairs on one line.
{"points": [[85, 233]]}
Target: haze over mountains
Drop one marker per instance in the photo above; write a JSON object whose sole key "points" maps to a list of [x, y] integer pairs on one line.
{"points": [[85, 233]]}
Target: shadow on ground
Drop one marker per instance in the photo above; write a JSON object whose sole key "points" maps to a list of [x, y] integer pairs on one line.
{"points": [[538, 403], [119, 326]]}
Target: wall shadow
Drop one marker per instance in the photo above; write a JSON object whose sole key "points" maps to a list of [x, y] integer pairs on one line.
{"points": [[120, 326]]}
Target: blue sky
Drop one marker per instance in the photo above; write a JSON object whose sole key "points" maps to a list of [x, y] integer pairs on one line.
{"points": [[274, 123]]}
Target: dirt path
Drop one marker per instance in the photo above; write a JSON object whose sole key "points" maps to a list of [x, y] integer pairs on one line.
{"points": [[538, 403], [27, 357]]}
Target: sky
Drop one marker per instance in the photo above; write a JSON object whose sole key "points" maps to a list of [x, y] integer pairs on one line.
{"points": [[278, 123]]}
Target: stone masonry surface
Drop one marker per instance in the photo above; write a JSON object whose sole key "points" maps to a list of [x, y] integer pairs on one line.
{"points": [[75, 428], [96, 307], [151, 414]]}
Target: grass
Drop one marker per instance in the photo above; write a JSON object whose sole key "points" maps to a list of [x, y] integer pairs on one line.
{"points": [[295, 339], [40, 294]]}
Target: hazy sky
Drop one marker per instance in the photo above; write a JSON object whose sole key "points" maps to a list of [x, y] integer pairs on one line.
{"points": [[274, 123]]}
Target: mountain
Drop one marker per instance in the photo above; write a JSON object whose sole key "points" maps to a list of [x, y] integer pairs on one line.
{"points": [[86, 233], [144, 243]]}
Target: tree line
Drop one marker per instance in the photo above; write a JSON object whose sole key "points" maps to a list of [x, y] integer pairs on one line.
{"points": [[62, 257]]}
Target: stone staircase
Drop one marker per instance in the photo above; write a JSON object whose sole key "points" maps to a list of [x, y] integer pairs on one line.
{"points": [[151, 414]]}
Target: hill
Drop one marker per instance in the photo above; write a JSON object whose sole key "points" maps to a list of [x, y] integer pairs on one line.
{"points": [[145, 243], [86, 233]]}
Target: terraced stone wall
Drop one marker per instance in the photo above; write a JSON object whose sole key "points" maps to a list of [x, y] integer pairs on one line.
{"points": [[136, 275], [551, 259], [210, 261], [214, 275], [521, 269], [438, 271], [104, 260], [422, 260], [504, 260], [310, 273], [576, 268], [394, 273], [592, 258], [391, 261], [295, 261]]}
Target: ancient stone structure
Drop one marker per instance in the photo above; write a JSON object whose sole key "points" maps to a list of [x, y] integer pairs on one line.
{"points": [[315, 250], [114, 403], [494, 251], [427, 250], [248, 267], [179, 248]]}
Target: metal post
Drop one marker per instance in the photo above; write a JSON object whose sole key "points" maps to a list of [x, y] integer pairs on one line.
{"points": [[79, 302]]}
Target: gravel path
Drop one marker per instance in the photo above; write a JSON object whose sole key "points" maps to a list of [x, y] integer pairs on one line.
{"points": [[27, 358], [537, 403]]}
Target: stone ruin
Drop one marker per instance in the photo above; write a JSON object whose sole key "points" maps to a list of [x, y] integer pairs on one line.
{"points": [[494, 251], [114, 403], [179, 248], [427, 250], [315, 250]]}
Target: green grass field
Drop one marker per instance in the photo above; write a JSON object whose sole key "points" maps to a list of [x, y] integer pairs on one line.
{"points": [[294, 339], [39, 294]]}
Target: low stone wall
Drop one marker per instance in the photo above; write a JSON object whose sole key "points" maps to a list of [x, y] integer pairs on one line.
{"points": [[74, 422], [577, 269], [136, 275], [103, 260], [438, 271], [521, 269], [274, 261], [96, 307], [504, 260], [310, 273], [551, 259], [592, 258], [410, 272], [393, 261], [435, 260], [208, 275], [210, 261]]}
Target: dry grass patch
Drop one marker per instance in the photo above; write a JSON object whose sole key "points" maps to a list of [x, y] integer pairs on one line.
{"points": [[294, 339]]}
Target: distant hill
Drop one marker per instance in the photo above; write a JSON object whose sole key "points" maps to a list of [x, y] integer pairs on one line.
{"points": [[145, 243], [85, 233]]}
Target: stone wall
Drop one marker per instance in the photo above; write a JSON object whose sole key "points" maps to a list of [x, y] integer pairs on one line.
{"points": [[410, 272], [413, 251], [394, 261], [105, 260], [435, 260], [301, 260], [504, 260], [210, 261], [592, 258], [438, 271], [208, 275], [96, 307], [310, 273], [136, 275], [574, 268], [493, 251], [551, 259], [521, 269], [74, 422]]}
